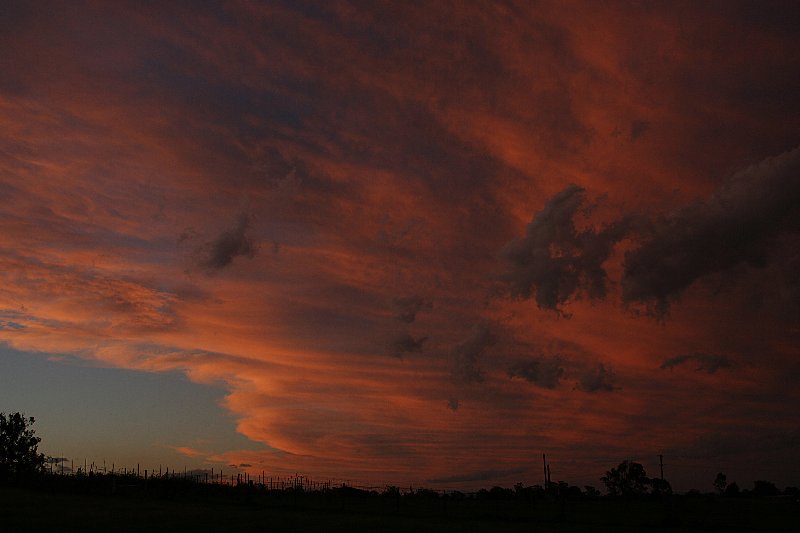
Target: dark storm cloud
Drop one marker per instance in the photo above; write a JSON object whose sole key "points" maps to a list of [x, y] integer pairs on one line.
{"points": [[737, 225], [556, 260], [407, 307], [230, 244], [466, 367], [705, 362], [544, 371], [598, 378], [405, 343]]}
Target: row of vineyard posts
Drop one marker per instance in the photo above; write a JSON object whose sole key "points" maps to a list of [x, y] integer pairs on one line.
{"points": [[212, 476]]}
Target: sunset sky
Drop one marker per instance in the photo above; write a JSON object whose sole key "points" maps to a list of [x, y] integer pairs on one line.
{"points": [[405, 243]]}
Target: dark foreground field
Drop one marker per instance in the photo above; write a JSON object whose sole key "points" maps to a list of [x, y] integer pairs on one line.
{"points": [[24, 510]]}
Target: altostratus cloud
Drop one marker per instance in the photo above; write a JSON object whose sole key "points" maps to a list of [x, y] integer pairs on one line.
{"points": [[404, 343], [543, 371], [598, 378], [407, 307], [466, 356]]}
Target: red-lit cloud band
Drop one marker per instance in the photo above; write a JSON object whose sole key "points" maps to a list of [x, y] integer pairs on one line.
{"points": [[420, 245]]}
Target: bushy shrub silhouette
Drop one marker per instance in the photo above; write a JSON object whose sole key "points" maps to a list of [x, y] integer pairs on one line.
{"points": [[765, 488], [732, 489]]}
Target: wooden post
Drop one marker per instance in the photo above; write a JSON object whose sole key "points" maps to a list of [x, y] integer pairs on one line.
{"points": [[544, 464]]}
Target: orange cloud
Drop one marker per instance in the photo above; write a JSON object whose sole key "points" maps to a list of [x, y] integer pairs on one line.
{"points": [[246, 195]]}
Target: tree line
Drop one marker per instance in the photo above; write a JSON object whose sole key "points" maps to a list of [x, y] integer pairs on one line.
{"points": [[20, 460]]}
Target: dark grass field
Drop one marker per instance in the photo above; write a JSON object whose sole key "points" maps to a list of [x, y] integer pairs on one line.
{"points": [[23, 510]]}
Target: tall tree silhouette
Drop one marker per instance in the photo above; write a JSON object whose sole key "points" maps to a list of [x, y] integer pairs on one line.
{"points": [[18, 448], [721, 482], [627, 479]]}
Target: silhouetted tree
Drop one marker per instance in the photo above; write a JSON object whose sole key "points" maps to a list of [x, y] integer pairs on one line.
{"points": [[521, 492], [18, 448], [426, 494], [627, 479], [720, 482], [660, 486], [591, 492], [391, 492], [732, 489], [573, 492], [765, 488], [500, 493]]}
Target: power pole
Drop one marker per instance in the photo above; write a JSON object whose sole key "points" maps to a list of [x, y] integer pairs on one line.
{"points": [[544, 464], [661, 465]]}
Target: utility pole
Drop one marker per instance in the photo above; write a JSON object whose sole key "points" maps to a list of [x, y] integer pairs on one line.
{"points": [[661, 465], [544, 464]]}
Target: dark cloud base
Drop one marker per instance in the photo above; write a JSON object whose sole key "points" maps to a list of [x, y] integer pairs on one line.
{"points": [[708, 363], [739, 224]]}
